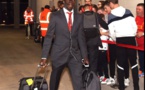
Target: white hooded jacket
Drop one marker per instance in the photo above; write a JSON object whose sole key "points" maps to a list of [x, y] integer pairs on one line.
{"points": [[121, 23]]}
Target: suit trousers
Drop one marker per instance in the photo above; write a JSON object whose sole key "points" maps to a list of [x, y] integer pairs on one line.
{"points": [[75, 69]]}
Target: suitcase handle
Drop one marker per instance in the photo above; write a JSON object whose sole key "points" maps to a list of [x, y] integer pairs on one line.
{"points": [[45, 74]]}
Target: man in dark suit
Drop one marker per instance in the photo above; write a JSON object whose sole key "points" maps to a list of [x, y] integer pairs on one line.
{"points": [[68, 47]]}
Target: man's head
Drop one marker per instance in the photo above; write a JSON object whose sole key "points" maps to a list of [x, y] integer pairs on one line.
{"points": [[113, 3], [47, 7], [60, 4], [88, 2], [87, 7], [106, 7], [100, 11], [28, 9], [94, 8], [140, 10], [42, 8], [69, 4], [100, 4], [80, 9]]}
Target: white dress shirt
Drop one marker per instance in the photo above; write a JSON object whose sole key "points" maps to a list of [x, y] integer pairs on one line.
{"points": [[67, 16]]}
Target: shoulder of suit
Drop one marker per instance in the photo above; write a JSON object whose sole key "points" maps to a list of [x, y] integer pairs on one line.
{"points": [[55, 13]]}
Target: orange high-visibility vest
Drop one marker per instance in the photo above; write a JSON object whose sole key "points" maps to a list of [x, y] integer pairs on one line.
{"points": [[44, 21], [28, 16]]}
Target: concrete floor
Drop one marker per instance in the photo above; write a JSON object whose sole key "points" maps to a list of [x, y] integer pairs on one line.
{"points": [[19, 58]]}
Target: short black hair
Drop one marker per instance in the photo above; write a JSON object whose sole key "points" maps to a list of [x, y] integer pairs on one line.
{"points": [[113, 1], [106, 3], [86, 5], [102, 2], [60, 2], [47, 6], [141, 4], [95, 6]]}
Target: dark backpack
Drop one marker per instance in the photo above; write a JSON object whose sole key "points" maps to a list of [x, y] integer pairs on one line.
{"points": [[90, 25], [90, 81]]}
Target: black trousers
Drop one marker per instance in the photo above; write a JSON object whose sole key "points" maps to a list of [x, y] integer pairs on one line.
{"points": [[103, 63], [42, 41], [141, 60], [113, 60], [93, 58], [75, 69], [31, 31], [122, 55]]}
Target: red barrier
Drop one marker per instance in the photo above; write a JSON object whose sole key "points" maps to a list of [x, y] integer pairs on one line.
{"points": [[123, 45]]}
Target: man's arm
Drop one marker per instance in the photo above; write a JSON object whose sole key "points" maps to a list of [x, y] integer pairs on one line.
{"points": [[82, 44], [111, 29], [48, 40], [102, 23]]}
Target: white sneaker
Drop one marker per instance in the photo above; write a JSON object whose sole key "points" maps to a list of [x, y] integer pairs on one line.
{"points": [[101, 78], [111, 81], [105, 81], [126, 82]]}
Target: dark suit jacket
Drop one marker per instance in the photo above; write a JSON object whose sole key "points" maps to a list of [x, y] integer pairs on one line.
{"points": [[64, 41]]}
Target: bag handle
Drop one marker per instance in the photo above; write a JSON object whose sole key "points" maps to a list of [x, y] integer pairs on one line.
{"points": [[36, 74]]}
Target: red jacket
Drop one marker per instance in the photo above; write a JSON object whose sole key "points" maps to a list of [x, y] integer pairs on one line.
{"points": [[140, 24]]}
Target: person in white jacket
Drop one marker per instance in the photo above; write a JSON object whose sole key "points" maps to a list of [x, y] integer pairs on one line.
{"points": [[123, 28]]}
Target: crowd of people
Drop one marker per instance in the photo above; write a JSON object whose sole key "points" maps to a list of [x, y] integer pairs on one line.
{"points": [[111, 41]]}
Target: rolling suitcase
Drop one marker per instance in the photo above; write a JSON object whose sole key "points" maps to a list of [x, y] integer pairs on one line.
{"points": [[34, 83]]}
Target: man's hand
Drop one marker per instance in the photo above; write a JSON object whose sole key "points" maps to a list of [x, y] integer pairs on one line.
{"points": [[140, 34], [104, 33], [43, 63], [86, 61]]}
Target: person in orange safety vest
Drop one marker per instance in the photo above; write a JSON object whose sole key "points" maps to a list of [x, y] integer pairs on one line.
{"points": [[28, 16], [44, 21]]}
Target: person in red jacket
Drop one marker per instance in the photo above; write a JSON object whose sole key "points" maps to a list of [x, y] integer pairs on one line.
{"points": [[140, 35], [28, 16]]}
